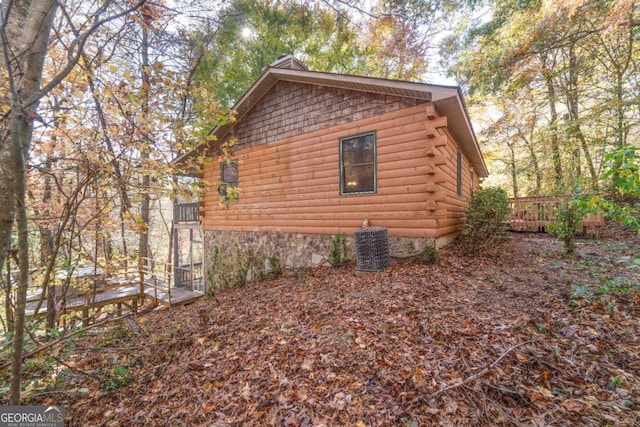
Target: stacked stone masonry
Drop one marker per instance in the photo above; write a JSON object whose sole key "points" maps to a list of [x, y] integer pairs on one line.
{"points": [[294, 251]]}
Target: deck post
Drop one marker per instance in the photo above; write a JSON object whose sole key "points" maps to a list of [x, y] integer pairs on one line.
{"points": [[167, 273], [175, 255], [141, 276], [191, 268], [154, 277], [155, 289], [85, 317]]}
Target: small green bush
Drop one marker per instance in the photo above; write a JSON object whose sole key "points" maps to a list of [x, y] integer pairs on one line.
{"points": [[429, 255], [568, 221], [487, 211], [117, 377], [230, 269], [274, 262], [245, 261], [339, 250]]}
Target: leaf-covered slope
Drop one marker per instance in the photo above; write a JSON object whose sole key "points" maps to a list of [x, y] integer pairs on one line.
{"points": [[522, 336]]}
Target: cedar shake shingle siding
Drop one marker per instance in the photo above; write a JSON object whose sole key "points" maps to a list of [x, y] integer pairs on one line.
{"points": [[290, 109]]}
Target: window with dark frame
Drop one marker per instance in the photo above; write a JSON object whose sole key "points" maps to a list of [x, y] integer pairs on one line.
{"points": [[358, 164], [228, 177], [459, 172]]}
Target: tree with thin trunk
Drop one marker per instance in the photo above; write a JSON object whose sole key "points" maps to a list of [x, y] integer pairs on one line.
{"points": [[25, 27], [24, 74], [572, 93], [147, 14], [578, 59], [552, 99]]}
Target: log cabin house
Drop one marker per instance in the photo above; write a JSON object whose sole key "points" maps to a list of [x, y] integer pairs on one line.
{"points": [[317, 153]]}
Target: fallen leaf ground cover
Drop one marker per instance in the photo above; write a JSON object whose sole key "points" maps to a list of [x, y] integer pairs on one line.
{"points": [[518, 336]]}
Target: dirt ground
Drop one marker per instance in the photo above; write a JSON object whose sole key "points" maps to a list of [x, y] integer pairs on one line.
{"points": [[518, 336]]}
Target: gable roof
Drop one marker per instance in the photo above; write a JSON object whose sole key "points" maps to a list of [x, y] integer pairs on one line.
{"points": [[288, 61], [448, 101]]}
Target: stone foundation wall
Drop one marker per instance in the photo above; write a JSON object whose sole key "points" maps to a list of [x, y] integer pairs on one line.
{"points": [[255, 252]]}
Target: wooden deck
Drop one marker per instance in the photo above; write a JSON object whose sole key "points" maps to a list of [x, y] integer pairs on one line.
{"points": [[86, 301], [540, 211], [176, 297], [158, 279], [125, 294]]}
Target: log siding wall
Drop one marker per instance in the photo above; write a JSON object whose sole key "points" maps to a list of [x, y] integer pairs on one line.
{"points": [[449, 206], [290, 109], [291, 185]]}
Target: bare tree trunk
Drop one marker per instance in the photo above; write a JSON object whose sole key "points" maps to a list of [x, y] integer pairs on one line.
{"points": [[8, 301], [528, 141], [555, 143], [47, 243], [143, 243], [24, 78], [15, 15], [23, 281], [574, 114], [125, 207], [513, 170], [47, 254], [117, 171]]}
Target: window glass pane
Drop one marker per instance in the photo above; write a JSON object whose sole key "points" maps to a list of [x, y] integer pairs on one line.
{"points": [[358, 179], [358, 155], [230, 173], [358, 150], [228, 178]]}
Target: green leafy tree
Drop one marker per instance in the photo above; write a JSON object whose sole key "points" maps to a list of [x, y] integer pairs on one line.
{"points": [[576, 60], [623, 168], [401, 39], [569, 215], [254, 33]]}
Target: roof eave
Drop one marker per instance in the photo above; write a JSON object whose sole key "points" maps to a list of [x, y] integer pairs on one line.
{"points": [[427, 92]]}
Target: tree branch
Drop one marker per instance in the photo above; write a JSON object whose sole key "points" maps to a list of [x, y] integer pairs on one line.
{"points": [[66, 337], [481, 373], [75, 53]]}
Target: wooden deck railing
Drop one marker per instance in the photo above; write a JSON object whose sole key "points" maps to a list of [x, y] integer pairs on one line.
{"points": [[156, 275], [127, 285], [187, 275], [186, 212], [538, 211], [87, 288]]}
